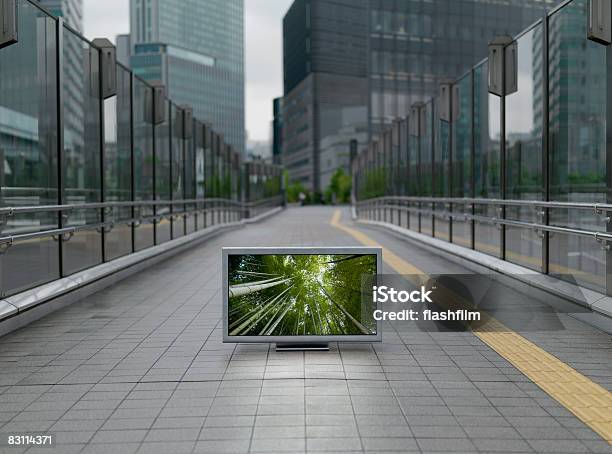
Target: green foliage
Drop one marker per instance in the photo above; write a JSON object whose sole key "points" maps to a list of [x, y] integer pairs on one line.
{"points": [[214, 189], [340, 185], [588, 178], [272, 187], [226, 186], [373, 184], [293, 191], [299, 295]]}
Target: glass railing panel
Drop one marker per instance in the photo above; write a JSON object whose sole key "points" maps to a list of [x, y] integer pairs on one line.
{"points": [[426, 168], [388, 161], [28, 149], [392, 163], [442, 178], [177, 169], [462, 160], [209, 172], [209, 164], [218, 176], [216, 182], [200, 170], [403, 175], [118, 166], [486, 161], [200, 160], [227, 177], [414, 189], [578, 81], [236, 187], [224, 173], [524, 126], [144, 162], [163, 178], [229, 174], [190, 182], [81, 159]]}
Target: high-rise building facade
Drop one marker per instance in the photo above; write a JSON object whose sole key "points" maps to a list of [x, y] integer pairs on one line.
{"points": [[277, 130], [325, 87], [415, 45], [196, 49], [351, 67], [123, 49], [70, 10]]}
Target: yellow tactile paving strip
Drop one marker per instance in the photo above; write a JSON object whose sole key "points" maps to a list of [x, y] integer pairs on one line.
{"points": [[588, 401]]}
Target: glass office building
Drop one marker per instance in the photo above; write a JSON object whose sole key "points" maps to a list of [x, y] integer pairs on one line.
{"points": [[69, 10], [369, 61], [196, 49], [325, 87], [416, 45], [277, 130]]}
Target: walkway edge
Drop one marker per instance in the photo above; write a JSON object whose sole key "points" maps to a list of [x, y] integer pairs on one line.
{"points": [[23, 308], [597, 302]]}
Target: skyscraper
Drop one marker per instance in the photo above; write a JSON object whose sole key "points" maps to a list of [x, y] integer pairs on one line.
{"points": [[351, 67], [123, 49], [196, 49], [416, 45], [325, 87], [277, 130], [70, 10]]}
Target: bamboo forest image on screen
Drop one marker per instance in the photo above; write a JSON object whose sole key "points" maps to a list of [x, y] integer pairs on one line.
{"points": [[300, 295]]}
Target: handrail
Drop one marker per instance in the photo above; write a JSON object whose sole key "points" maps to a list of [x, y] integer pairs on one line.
{"points": [[600, 237], [597, 207], [11, 211], [233, 205]]}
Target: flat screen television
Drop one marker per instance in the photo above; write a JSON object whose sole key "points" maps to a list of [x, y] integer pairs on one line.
{"points": [[300, 295]]}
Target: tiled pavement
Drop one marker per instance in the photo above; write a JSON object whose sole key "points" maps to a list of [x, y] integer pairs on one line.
{"points": [[140, 367]]}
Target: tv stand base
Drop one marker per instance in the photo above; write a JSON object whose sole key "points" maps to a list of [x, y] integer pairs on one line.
{"points": [[292, 347]]}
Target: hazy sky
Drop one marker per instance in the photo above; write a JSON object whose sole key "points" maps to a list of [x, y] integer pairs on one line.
{"points": [[263, 51]]}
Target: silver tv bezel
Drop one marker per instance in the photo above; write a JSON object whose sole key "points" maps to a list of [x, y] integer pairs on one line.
{"points": [[226, 251]]}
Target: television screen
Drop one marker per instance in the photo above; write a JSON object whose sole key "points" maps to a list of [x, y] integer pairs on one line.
{"points": [[300, 293]]}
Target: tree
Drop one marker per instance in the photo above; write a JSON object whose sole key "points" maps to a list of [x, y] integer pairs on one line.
{"points": [[340, 185]]}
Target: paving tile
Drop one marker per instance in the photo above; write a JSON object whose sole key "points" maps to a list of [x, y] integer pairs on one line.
{"points": [[266, 445], [557, 446], [229, 421], [131, 423], [176, 447], [174, 434], [280, 420], [222, 446], [445, 444], [73, 437], [279, 432], [331, 431], [334, 444], [501, 445], [389, 444], [438, 432], [119, 436], [385, 431]]}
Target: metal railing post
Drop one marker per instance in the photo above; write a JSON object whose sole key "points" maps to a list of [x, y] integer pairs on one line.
{"points": [[60, 135]]}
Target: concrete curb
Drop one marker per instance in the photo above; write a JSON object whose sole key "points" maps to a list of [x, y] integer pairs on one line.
{"points": [[263, 216], [597, 302]]}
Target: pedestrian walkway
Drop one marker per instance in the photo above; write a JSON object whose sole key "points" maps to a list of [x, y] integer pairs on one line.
{"points": [[140, 367]]}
